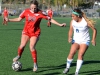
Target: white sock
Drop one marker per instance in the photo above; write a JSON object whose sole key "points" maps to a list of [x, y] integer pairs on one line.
{"points": [[79, 64], [68, 63]]}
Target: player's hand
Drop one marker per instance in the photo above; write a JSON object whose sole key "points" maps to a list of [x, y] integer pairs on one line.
{"points": [[63, 25], [69, 40], [93, 42]]}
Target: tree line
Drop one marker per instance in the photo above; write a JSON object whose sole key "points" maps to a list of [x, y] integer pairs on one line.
{"points": [[70, 3]]}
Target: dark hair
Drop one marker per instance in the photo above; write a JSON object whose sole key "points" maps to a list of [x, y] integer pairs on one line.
{"points": [[35, 2], [79, 12]]}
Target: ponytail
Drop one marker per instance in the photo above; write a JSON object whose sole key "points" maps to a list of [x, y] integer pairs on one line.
{"points": [[89, 21]]}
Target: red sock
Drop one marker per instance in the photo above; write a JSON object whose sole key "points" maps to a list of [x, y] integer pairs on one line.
{"points": [[50, 23], [34, 56], [20, 51]]}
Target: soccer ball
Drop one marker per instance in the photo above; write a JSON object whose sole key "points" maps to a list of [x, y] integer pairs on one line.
{"points": [[16, 66]]}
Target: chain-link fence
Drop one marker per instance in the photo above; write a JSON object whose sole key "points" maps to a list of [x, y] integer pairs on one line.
{"points": [[16, 9]]}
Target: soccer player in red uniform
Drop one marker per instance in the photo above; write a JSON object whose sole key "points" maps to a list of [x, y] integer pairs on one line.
{"points": [[31, 30], [5, 15], [50, 14]]}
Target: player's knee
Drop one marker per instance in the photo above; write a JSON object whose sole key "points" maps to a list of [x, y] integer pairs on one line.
{"points": [[22, 45], [80, 56], [32, 47], [71, 53]]}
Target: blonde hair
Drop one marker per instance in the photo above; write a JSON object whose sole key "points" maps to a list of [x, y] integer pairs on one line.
{"points": [[89, 21], [82, 14]]}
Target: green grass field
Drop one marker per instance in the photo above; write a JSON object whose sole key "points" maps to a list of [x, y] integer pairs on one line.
{"points": [[52, 49]]}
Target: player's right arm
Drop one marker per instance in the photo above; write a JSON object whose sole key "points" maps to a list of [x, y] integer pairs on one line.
{"points": [[15, 19], [70, 33], [21, 16]]}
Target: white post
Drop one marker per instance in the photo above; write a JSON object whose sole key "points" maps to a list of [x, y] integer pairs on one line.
{"points": [[0, 6]]}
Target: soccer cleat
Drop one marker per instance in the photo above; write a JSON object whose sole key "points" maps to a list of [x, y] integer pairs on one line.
{"points": [[35, 67], [16, 58], [76, 73], [66, 70]]}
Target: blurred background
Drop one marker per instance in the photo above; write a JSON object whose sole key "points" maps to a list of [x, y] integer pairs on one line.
{"points": [[61, 8]]}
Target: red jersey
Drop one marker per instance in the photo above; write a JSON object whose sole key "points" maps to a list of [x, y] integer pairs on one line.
{"points": [[32, 22], [5, 13], [50, 13]]}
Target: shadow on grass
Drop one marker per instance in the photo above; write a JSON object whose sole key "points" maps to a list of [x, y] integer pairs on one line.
{"points": [[27, 69], [55, 73], [91, 62], [49, 68], [91, 72], [62, 66]]}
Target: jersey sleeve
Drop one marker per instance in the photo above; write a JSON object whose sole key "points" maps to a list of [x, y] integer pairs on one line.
{"points": [[22, 15], [46, 17], [47, 11], [42, 12]]}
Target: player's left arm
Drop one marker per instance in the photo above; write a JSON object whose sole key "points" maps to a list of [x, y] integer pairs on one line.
{"points": [[57, 23], [53, 21], [93, 41]]}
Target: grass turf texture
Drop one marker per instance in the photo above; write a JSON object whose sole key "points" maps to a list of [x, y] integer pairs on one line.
{"points": [[52, 49]]}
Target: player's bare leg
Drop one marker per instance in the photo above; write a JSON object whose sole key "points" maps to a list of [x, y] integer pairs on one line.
{"points": [[24, 40], [82, 50], [33, 41], [3, 23], [72, 52]]}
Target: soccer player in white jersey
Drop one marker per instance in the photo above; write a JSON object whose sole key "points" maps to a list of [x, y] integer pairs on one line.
{"points": [[79, 28]]}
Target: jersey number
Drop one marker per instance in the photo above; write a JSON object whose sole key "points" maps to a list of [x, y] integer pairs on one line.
{"points": [[77, 30]]}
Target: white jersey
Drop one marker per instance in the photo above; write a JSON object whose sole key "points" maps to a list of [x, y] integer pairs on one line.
{"points": [[81, 31]]}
